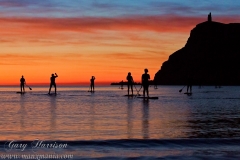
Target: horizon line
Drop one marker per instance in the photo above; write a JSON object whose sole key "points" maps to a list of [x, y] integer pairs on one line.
{"points": [[58, 84]]}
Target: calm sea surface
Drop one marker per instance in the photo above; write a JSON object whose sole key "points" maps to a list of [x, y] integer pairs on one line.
{"points": [[107, 125]]}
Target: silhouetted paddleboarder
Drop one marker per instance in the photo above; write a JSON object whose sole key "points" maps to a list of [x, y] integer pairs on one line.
{"points": [[52, 79], [92, 83], [121, 84], [130, 82], [145, 82], [217, 86], [189, 85], [155, 84], [22, 83]]}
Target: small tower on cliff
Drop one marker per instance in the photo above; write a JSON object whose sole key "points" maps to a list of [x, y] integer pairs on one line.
{"points": [[209, 17]]}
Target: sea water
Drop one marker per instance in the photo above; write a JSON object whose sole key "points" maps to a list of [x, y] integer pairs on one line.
{"points": [[105, 124]]}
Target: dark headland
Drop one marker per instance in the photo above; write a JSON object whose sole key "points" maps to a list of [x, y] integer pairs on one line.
{"points": [[211, 56]]}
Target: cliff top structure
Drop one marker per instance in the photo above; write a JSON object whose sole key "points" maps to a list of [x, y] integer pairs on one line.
{"points": [[211, 56]]}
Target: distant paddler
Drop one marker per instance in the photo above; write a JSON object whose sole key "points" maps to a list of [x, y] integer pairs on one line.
{"points": [[145, 82], [53, 83], [130, 82], [92, 83], [121, 84], [189, 84], [155, 83], [22, 83]]}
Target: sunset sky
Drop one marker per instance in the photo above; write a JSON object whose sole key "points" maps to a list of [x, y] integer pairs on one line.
{"points": [[104, 38]]}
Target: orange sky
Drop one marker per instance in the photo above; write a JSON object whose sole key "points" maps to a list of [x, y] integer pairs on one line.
{"points": [[78, 47], [38, 49]]}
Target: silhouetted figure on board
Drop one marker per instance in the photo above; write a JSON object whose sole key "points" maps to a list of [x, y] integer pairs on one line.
{"points": [[155, 84], [200, 86], [218, 80], [217, 86], [189, 84], [92, 83], [22, 83], [145, 82], [53, 83], [130, 82], [121, 84]]}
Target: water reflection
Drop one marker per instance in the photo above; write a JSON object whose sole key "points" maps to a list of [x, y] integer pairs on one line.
{"points": [[145, 117], [129, 119], [92, 118], [214, 122], [22, 113], [53, 106]]}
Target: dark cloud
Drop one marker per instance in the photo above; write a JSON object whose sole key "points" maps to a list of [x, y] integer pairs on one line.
{"points": [[163, 23], [13, 3]]}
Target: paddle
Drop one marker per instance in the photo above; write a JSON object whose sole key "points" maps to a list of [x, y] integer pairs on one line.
{"points": [[137, 91], [29, 87], [89, 89], [181, 89]]}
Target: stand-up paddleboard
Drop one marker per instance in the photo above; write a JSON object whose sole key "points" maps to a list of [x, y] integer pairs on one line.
{"points": [[188, 93], [148, 97], [91, 91], [135, 95], [130, 95], [21, 92], [51, 94]]}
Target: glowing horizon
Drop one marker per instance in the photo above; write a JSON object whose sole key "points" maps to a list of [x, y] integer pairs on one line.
{"points": [[106, 39]]}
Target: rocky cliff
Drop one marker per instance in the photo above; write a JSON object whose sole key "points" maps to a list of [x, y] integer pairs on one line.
{"points": [[211, 56]]}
